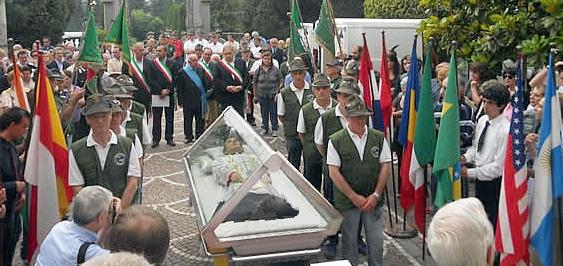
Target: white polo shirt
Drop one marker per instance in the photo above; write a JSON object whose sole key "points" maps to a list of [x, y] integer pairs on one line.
{"points": [[299, 93], [319, 131], [75, 176], [137, 144], [147, 134]]}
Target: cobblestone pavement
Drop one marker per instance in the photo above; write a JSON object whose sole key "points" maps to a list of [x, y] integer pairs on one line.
{"points": [[165, 189]]}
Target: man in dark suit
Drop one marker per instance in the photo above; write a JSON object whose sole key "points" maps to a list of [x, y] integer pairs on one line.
{"points": [[59, 63], [228, 80], [277, 53], [161, 80], [192, 87], [140, 72]]}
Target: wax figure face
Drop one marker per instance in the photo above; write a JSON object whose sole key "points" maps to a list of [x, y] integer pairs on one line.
{"points": [[232, 146]]}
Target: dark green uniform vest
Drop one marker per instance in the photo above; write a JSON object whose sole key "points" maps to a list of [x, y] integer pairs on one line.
{"points": [[361, 175], [331, 124], [130, 133], [311, 116], [137, 108], [114, 175], [136, 123], [335, 84], [292, 108]]}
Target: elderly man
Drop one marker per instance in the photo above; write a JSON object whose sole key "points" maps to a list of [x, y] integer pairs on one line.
{"points": [[228, 80], [359, 161], [104, 158], [74, 242], [141, 68], [289, 102], [59, 63], [140, 230], [308, 117], [461, 234], [333, 71], [277, 53]]}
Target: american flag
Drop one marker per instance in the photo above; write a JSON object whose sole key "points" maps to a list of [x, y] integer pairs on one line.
{"points": [[511, 239]]}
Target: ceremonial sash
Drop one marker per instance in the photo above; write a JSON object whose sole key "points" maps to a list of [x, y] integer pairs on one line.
{"points": [[234, 72], [206, 69], [139, 75], [163, 69]]}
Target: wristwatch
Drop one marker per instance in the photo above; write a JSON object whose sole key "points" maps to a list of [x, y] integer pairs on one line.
{"points": [[377, 195]]}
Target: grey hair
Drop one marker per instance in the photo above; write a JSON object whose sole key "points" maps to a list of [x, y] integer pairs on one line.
{"points": [[89, 203], [118, 259]]}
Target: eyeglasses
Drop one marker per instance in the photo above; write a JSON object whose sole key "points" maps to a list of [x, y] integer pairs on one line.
{"points": [[508, 76]]}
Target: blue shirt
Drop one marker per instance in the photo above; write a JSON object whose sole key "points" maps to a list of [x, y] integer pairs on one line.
{"points": [[288, 79], [61, 245]]}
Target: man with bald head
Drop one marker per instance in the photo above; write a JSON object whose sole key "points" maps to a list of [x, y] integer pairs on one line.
{"points": [[140, 70], [228, 80], [192, 88], [277, 53]]}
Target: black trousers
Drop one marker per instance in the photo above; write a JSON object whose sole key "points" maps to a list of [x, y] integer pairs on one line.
{"points": [[11, 231], [488, 192], [294, 150], [313, 170], [189, 115], [156, 124]]}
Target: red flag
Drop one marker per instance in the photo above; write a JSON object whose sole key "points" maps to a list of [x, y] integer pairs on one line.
{"points": [[385, 87], [370, 92], [46, 167]]}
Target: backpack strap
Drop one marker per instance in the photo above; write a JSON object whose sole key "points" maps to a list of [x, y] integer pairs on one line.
{"points": [[82, 252]]}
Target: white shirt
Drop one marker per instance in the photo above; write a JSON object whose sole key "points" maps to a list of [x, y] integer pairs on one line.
{"points": [[203, 42], [256, 51], [316, 106], [489, 162], [333, 158], [137, 144], [77, 179], [190, 45], [258, 63], [298, 93], [319, 131], [139, 64], [147, 134], [217, 48]]}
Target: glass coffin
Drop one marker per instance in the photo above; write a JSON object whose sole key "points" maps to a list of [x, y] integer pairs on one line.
{"points": [[248, 198]]}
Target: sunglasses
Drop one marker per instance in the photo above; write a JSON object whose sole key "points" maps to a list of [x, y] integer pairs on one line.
{"points": [[508, 76]]}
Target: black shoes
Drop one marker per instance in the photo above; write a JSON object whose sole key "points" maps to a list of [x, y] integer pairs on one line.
{"points": [[171, 143], [330, 247], [154, 145]]}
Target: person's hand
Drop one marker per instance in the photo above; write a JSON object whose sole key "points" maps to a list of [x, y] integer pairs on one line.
{"points": [[474, 85], [531, 138], [230, 89], [20, 202], [359, 201], [164, 93], [464, 171], [117, 202], [77, 95], [371, 202], [2, 195], [236, 177], [20, 186]]}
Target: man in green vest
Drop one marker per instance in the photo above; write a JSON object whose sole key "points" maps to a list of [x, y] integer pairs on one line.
{"points": [[127, 83], [308, 117], [116, 125], [359, 160], [104, 158], [328, 123], [333, 71], [289, 102]]}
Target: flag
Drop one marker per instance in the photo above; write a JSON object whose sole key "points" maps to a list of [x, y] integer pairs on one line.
{"points": [[548, 181], [324, 32], [295, 46], [407, 130], [118, 33], [21, 97], [385, 87], [446, 159], [90, 53], [424, 143], [46, 169], [366, 81], [511, 238]]}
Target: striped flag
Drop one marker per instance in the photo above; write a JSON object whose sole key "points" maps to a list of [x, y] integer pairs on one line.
{"points": [[424, 143], [46, 168], [385, 88], [512, 226], [548, 181], [407, 131], [366, 81]]}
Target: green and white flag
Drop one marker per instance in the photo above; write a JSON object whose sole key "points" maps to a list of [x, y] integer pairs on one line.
{"points": [[295, 25], [324, 32]]}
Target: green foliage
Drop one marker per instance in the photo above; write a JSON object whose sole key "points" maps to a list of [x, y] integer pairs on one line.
{"points": [[142, 22], [490, 31], [173, 15], [393, 9], [29, 21]]}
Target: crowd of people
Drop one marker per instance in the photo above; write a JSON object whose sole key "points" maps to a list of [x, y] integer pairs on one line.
{"points": [[324, 122]]}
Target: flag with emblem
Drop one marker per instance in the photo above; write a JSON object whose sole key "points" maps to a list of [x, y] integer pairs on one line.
{"points": [[46, 169], [447, 155], [548, 180], [512, 228]]}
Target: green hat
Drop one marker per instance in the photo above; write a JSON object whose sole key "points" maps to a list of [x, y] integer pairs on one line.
{"points": [[54, 74], [117, 91], [125, 82], [321, 80], [95, 104], [348, 85], [116, 105], [356, 107], [296, 65]]}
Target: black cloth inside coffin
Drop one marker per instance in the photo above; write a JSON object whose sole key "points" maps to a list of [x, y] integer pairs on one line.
{"points": [[256, 206]]}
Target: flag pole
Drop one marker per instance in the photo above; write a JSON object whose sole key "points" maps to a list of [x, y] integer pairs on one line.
{"points": [[331, 13], [424, 229]]}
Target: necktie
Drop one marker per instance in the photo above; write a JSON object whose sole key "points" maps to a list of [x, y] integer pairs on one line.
{"points": [[482, 136]]}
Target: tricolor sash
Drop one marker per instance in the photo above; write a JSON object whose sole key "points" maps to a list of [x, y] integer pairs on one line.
{"points": [[234, 72], [139, 74], [206, 69], [163, 69]]}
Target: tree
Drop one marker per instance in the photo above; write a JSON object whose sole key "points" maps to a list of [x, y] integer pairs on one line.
{"points": [[173, 14], [490, 31], [393, 9], [141, 23], [29, 21]]}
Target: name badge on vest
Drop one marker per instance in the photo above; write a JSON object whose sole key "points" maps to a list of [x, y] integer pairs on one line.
{"points": [[310, 97], [375, 151], [120, 159]]}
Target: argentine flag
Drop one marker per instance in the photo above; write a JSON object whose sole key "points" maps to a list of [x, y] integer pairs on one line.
{"points": [[548, 183]]}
